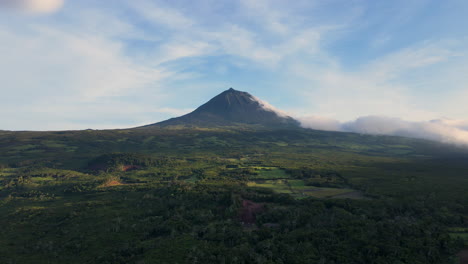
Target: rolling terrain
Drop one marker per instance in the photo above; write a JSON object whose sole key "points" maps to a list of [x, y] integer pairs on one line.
{"points": [[235, 181]]}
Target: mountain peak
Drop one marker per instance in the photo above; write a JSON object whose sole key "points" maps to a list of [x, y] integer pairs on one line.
{"points": [[231, 108]]}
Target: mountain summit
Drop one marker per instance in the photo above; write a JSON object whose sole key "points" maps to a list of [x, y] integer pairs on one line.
{"points": [[232, 108]]}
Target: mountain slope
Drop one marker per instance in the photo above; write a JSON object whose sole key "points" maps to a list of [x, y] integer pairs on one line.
{"points": [[232, 108]]}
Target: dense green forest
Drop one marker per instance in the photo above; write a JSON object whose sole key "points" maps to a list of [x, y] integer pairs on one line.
{"points": [[232, 195]]}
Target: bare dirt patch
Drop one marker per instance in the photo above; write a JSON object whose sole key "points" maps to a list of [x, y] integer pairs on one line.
{"points": [[249, 211], [463, 256], [350, 195], [130, 167], [111, 183]]}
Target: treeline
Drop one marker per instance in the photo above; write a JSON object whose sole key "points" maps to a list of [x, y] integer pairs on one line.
{"points": [[318, 178], [114, 161]]}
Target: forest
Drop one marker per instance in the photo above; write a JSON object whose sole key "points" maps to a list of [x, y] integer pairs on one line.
{"points": [[230, 196]]}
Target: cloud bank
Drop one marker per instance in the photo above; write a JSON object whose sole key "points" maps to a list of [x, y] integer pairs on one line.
{"points": [[442, 130], [33, 6]]}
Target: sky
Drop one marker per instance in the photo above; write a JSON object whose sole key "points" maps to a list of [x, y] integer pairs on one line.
{"points": [[333, 64]]}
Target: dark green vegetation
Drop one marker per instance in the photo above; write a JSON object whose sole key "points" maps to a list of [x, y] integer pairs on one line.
{"points": [[229, 196]]}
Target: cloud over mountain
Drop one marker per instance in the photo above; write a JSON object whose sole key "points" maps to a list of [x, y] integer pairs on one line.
{"points": [[443, 130]]}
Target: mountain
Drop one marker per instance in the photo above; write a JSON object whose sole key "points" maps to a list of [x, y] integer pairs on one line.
{"points": [[232, 108]]}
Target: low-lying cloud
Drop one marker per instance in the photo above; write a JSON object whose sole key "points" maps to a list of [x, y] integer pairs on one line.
{"points": [[442, 130], [33, 6]]}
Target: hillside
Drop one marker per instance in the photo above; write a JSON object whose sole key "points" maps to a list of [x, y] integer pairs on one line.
{"points": [[217, 186]]}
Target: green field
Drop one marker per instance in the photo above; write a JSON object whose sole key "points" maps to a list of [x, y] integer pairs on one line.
{"points": [[299, 190], [270, 173]]}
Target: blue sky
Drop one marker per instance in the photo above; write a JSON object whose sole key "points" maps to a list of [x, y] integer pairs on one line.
{"points": [[77, 64]]}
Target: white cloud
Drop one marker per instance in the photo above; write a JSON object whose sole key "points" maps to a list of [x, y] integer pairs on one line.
{"points": [[188, 37], [237, 41], [70, 68], [390, 85], [268, 107], [393, 65], [92, 53], [69, 64], [320, 123], [270, 18], [461, 124], [447, 131], [161, 15], [181, 49], [33, 6]]}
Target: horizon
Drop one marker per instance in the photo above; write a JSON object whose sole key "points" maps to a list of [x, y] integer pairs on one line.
{"points": [[370, 67]]}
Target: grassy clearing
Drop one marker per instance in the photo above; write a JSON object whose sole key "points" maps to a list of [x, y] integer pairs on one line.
{"points": [[25, 147], [299, 190], [278, 186], [7, 172], [462, 236], [148, 139], [459, 229], [326, 192], [270, 173], [53, 144], [192, 179], [459, 233]]}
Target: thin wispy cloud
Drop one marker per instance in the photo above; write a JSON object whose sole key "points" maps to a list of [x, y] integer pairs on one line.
{"points": [[389, 85], [161, 14], [307, 57], [79, 65], [33, 6]]}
